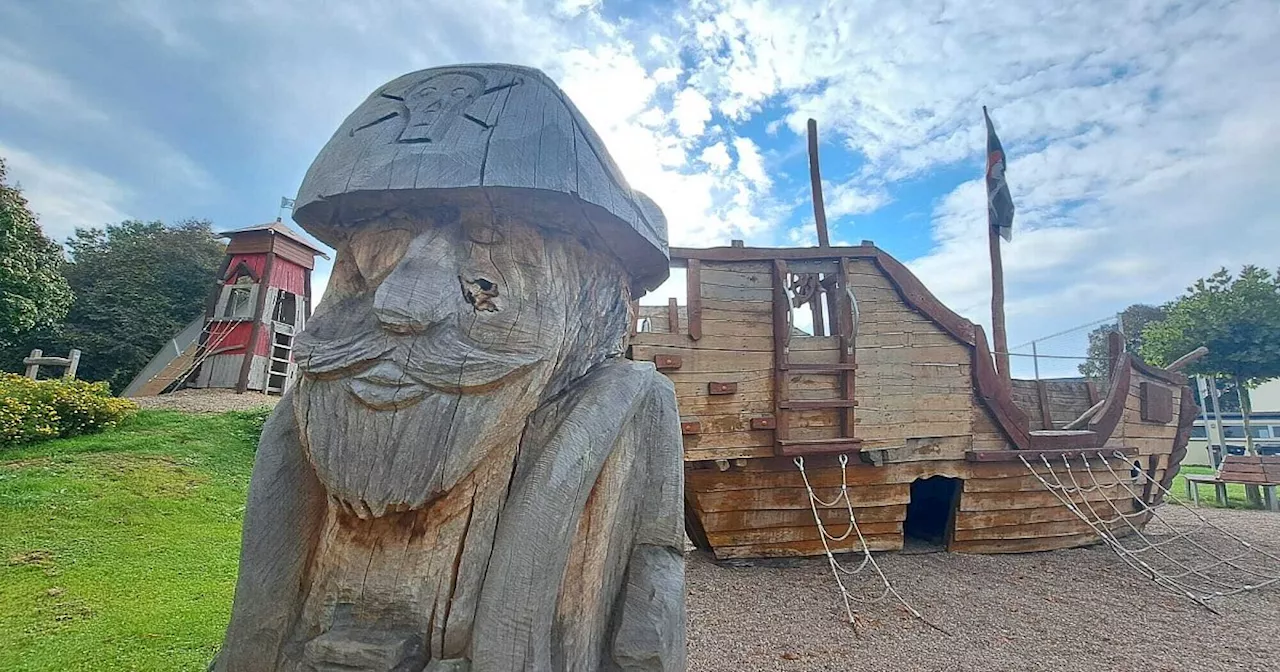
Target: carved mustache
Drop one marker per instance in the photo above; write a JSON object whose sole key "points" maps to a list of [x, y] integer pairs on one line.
{"points": [[442, 360]]}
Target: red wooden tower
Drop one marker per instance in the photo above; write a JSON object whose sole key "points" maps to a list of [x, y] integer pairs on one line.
{"points": [[263, 298]]}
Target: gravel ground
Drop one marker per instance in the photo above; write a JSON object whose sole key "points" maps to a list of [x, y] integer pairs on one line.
{"points": [[1079, 609], [207, 401]]}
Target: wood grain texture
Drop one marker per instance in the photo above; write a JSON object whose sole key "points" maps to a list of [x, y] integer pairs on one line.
{"points": [[468, 474], [930, 403], [506, 134]]}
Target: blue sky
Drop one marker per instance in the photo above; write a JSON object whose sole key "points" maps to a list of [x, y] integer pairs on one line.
{"points": [[1142, 135]]}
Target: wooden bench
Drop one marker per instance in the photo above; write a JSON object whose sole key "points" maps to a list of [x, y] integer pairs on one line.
{"points": [[1260, 470]]}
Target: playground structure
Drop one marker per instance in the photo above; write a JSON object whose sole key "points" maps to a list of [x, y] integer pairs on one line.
{"points": [[907, 390], [888, 420], [244, 339]]}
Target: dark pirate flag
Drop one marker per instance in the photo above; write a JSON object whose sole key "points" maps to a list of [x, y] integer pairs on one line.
{"points": [[999, 201]]}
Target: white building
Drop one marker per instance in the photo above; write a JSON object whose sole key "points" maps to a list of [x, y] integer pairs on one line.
{"points": [[1264, 420]]}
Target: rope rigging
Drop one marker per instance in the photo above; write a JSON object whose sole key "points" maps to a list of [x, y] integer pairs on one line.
{"points": [[1181, 568], [867, 559], [215, 338]]}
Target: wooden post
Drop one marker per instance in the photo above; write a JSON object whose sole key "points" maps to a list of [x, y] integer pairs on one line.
{"points": [[843, 324], [1000, 340], [781, 352], [1115, 348], [73, 363], [815, 307], [306, 301], [259, 308], [33, 369], [673, 316], [1042, 395], [693, 298], [815, 181]]}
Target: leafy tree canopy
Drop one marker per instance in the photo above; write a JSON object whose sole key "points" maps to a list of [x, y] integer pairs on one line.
{"points": [[33, 293], [1134, 318], [1236, 317], [136, 284]]}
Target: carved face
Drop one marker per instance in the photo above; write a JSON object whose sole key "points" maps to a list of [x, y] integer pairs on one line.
{"points": [[433, 344]]}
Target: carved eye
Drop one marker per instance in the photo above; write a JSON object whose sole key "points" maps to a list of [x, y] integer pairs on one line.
{"points": [[482, 232], [480, 293], [376, 253], [459, 92]]}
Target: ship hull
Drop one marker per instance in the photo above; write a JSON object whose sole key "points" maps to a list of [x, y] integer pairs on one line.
{"points": [[937, 447]]}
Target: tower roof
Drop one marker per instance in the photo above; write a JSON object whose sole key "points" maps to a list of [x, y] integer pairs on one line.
{"points": [[276, 227]]}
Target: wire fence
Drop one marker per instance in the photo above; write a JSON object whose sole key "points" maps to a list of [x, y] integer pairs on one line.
{"points": [[1059, 354]]}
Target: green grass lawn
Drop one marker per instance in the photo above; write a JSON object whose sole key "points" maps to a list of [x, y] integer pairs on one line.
{"points": [[1235, 493], [118, 550]]}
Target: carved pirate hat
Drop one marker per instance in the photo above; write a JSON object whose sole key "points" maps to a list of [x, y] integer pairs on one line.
{"points": [[482, 136]]}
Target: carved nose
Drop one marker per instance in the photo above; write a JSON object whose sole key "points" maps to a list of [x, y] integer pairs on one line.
{"points": [[416, 296]]}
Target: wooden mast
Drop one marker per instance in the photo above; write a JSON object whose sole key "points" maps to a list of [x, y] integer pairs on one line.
{"points": [[1000, 340], [815, 180]]}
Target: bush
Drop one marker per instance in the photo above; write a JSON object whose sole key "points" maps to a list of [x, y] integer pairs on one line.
{"points": [[33, 410]]}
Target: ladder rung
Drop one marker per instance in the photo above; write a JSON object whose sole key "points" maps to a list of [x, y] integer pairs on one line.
{"points": [[822, 368], [817, 404], [284, 360]]}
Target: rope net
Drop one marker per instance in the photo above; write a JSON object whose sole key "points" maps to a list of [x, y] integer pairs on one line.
{"points": [[215, 337], [838, 570], [1201, 561]]}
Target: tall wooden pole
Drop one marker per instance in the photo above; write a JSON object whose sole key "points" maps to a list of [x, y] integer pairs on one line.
{"points": [[1001, 340], [815, 181]]}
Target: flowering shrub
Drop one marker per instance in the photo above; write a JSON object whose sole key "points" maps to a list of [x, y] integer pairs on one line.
{"points": [[33, 410]]}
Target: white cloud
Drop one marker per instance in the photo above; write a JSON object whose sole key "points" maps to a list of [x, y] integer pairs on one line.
{"points": [[850, 198], [1142, 134], [716, 156], [65, 197], [691, 111], [47, 98], [750, 163]]}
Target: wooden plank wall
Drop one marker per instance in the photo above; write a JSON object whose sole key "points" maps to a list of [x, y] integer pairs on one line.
{"points": [[1005, 509], [913, 379], [1154, 441], [1067, 400], [916, 407]]}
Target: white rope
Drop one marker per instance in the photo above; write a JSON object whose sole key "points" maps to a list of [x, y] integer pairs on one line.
{"points": [[1193, 581], [867, 559], [210, 345]]}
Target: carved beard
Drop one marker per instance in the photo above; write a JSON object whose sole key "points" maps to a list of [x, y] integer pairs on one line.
{"points": [[376, 462]]}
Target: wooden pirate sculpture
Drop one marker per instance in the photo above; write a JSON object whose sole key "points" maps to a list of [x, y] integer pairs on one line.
{"points": [[468, 474]]}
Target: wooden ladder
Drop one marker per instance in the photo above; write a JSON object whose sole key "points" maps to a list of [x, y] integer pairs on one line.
{"points": [[281, 357], [842, 320]]}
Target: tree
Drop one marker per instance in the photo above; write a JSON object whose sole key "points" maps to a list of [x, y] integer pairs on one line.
{"points": [[33, 293], [1133, 320], [136, 284], [1237, 318], [1228, 396]]}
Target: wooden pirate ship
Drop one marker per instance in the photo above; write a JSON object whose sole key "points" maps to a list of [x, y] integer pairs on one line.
{"points": [[896, 398], [904, 387]]}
